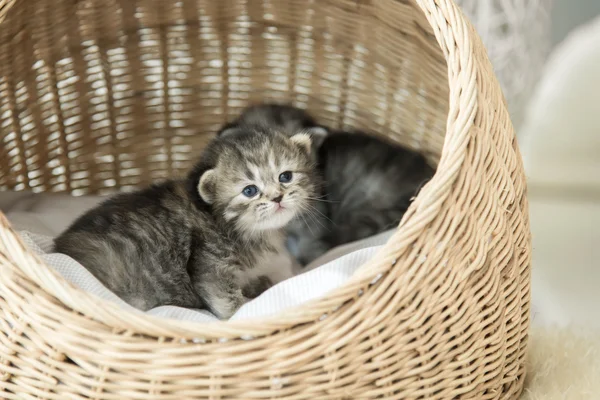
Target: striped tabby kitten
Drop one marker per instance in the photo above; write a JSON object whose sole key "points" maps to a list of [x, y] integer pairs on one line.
{"points": [[368, 183], [210, 241]]}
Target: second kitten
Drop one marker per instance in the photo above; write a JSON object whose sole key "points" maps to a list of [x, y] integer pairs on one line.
{"points": [[368, 183]]}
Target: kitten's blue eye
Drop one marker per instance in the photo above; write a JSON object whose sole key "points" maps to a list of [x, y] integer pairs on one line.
{"points": [[250, 191], [285, 177]]}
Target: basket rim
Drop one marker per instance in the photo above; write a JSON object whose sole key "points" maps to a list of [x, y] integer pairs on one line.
{"points": [[453, 35]]}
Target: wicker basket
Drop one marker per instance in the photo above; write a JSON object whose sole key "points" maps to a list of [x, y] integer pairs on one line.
{"points": [[99, 95]]}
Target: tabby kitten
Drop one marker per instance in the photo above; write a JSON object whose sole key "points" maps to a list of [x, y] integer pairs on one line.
{"points": [[368, 183], [209, 241]]}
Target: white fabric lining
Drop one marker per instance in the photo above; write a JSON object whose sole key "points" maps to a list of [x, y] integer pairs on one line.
{"points": [[322, 277]]}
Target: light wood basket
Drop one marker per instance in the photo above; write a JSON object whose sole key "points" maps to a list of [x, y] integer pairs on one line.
{"points": [[100, 95]]}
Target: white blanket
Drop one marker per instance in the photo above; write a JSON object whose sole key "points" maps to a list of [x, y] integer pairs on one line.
{"points": [[40, 219]]}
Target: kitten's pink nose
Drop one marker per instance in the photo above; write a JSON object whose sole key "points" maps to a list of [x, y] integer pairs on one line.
{"points": [[278, 198]]}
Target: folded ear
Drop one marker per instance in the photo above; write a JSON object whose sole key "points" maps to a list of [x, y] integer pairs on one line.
{"points": [[227, 130], [302, 140], [317, 135], [206, 186]]}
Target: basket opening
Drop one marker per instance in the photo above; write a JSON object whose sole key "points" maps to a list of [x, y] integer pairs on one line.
{"points": [[126, 94]]}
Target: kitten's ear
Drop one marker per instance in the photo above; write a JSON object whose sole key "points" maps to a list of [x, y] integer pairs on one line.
{"points": [[317, 135], [206, 186], [303, 140], [227, 130]]}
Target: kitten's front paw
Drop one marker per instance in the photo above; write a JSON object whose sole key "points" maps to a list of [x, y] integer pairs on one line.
{"points": [[228, 304], [257, 287]]}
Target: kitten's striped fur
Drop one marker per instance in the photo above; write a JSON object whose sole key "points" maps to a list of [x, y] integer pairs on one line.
{"points": [[199, 242]]}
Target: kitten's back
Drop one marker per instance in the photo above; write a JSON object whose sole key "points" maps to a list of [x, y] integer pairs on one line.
{"points": [[137, 244]]}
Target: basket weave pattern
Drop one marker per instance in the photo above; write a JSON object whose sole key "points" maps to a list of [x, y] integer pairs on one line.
{"points": [[101, 95]]}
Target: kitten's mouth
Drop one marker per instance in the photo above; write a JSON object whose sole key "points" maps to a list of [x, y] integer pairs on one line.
{"points": [[277, 218]]}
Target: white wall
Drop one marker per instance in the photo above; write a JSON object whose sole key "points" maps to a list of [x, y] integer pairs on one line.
{"points": [[567, 14], [561, 147]]}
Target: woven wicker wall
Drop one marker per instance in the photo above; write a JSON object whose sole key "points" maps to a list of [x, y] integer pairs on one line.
{"points": [[100, 95]]}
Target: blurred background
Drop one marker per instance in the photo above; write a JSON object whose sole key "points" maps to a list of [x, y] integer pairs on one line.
{"points": [[567, 15], [558, 125], [546, 55]]}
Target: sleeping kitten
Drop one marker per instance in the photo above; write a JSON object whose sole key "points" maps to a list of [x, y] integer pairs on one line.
{"points": [[207, 241], [369, 183]]}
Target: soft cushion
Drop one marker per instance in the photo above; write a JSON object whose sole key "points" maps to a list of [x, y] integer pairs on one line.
{"points": [[44, 213], [40, 217]]}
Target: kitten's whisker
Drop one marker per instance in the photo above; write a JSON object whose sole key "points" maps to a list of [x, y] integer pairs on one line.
{"points": [[316, 197], [304, 212], [311, 217], [322, 200], [307, 224], [323, 215], [319, 219], [314, 217]]}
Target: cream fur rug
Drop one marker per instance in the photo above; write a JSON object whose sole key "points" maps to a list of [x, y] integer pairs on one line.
{"points": [[563, 364]]}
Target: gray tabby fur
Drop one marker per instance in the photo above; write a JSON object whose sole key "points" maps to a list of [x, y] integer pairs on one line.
{"points": [[368, 183], [199, 242]]}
